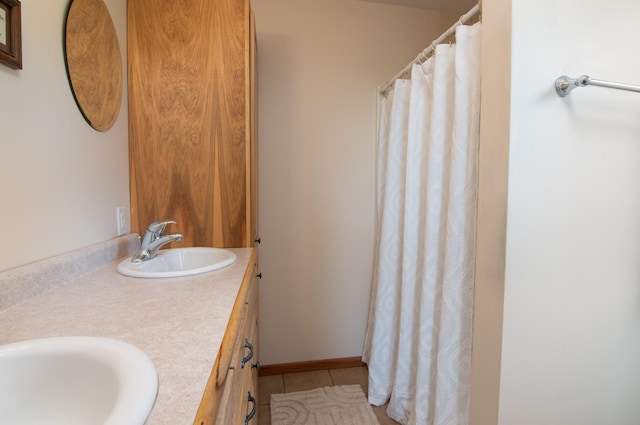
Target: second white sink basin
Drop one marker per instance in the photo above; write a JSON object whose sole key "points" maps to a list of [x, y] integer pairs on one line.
{"points": [[75, 381], [179, 262]]}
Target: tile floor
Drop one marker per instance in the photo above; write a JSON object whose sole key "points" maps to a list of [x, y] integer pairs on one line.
{"points": [[291, 382]]}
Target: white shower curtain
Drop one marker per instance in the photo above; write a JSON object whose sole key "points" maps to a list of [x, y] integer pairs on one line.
{"points": [[418, 345]]}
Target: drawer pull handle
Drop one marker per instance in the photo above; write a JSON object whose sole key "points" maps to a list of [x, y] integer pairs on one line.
{"points": [[255, 366], [253, 409], [249, 356], [259, 275]]}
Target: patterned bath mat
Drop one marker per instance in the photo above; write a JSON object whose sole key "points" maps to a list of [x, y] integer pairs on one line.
{"points": [[342, 405]]}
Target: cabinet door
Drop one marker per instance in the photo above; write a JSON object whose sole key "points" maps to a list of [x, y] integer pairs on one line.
{"points": [[189, 119]]}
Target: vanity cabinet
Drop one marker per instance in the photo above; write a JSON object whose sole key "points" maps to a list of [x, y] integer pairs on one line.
{"points": [[231, 394], [192, 119]]}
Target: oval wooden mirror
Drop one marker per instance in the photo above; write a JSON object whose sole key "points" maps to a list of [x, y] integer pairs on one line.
{"points": [[94, 65]]}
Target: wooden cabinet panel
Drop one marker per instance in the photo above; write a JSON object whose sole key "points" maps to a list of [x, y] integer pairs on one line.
{"points": [[252, 210], [191, 121]]}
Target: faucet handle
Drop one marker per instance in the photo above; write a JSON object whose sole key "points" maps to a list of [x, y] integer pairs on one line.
{"points": [[158, 226]]}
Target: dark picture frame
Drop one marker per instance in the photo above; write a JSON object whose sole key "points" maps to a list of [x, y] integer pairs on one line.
{"points": [[10, 33]]}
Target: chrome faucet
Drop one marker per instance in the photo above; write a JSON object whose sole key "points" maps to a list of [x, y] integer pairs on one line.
{"points": [[153, 240]]}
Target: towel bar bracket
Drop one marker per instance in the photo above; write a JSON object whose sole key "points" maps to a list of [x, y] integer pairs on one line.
{"points": [[564, 84]]}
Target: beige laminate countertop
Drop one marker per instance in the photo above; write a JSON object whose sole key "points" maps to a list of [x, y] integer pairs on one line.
{"points": [[178, 322]]}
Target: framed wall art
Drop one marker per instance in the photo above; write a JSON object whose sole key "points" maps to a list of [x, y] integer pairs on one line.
{"points": [[10, 34]]}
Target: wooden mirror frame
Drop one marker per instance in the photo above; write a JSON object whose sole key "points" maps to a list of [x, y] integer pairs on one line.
{"points": [[93, 62]]}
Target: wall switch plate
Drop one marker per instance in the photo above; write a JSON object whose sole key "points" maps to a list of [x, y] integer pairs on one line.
{"points": [[122, 219]]}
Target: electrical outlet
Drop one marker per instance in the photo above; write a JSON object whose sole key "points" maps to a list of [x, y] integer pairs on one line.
{"points": [[122, 221]]}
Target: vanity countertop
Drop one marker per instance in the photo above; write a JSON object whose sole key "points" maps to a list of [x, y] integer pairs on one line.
{"points": [[178, 322]]}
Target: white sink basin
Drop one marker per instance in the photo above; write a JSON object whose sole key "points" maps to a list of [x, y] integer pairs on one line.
{"points": [[75, 381], [179, 262]]}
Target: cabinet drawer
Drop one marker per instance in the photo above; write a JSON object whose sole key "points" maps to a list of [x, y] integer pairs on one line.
{"points": [[246, 350], [249, 410], [240, 402]]}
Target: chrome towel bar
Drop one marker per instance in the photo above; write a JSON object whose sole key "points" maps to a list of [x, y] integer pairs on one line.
{"points": [[564, 84]]}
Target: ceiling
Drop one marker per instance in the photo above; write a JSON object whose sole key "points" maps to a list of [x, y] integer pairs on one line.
{"points": [[451, 6]]}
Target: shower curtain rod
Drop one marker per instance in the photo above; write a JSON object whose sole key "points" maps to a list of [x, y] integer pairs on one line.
{"points": [[424, 55], [565, 84]]}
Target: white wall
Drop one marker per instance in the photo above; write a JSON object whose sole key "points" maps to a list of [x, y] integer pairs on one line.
{"points": [[571, 336], [60, 180], [319, 63]]}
